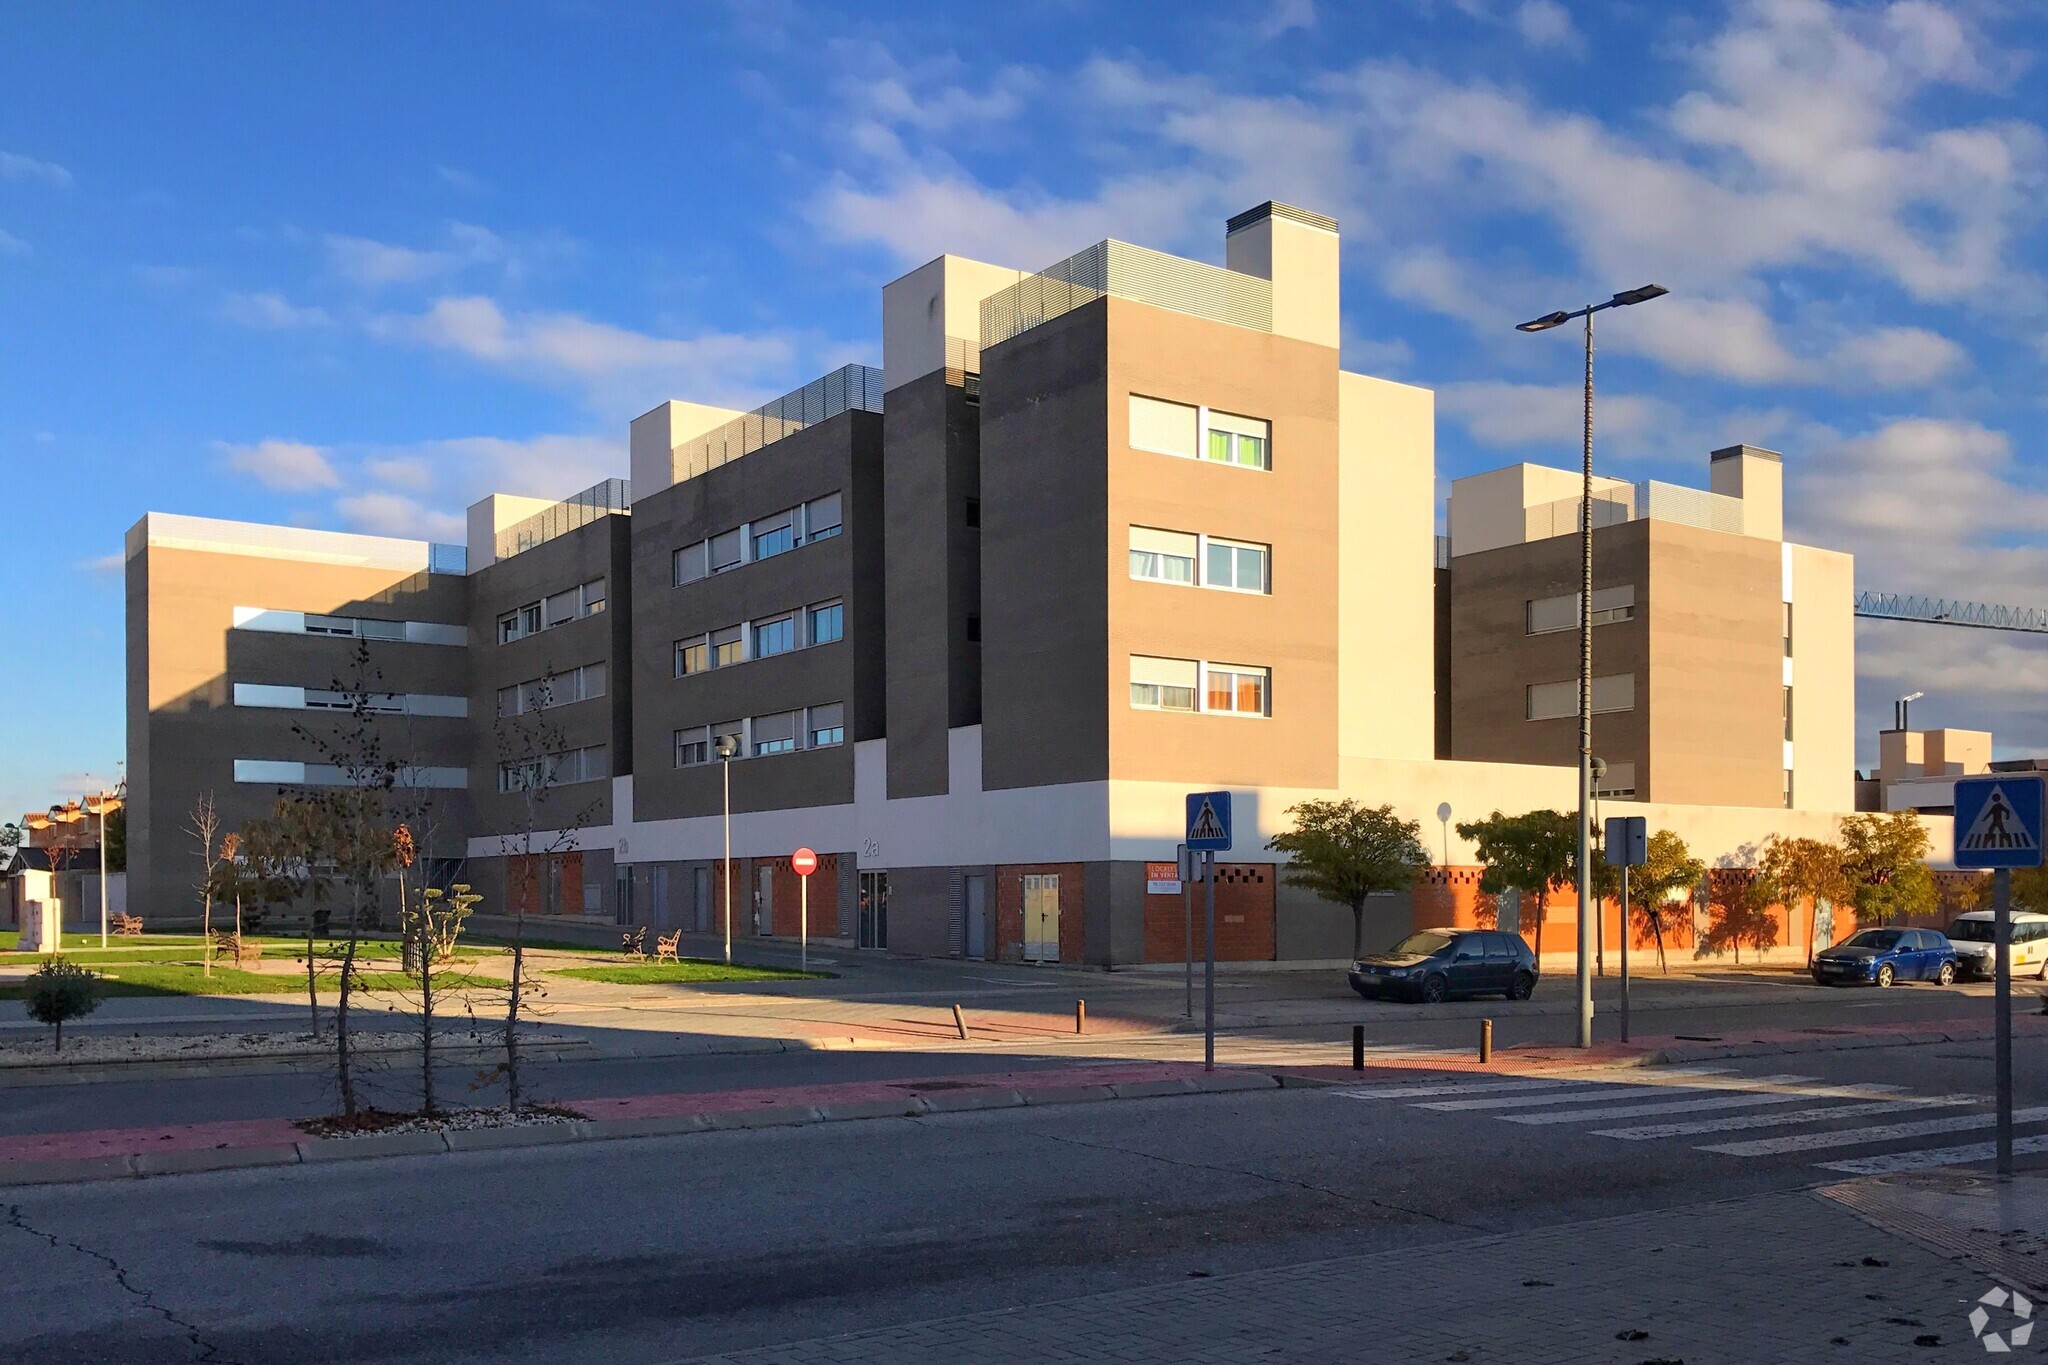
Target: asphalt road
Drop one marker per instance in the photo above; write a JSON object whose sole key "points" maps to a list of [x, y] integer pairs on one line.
{"points": [[660, 1249]]}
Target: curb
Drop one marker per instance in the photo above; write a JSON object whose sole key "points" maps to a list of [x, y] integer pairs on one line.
{"points": [[311, 1151]]}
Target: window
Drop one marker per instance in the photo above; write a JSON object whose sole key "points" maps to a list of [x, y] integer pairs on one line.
{"points": [[1788, 630], [828, 724], [724, 550], [1619, 781], [689, 564], [775, 535], [828, 622], [693, 746], [1234, 688], [728, 647], [593, 597], [692, 656], [1239, 567], [1237, 440], [774, 637], [574, 765], [1616, 692], [734, 730], [1167, 428], [1788, 789], [1557, 700], [517, 625], [775, 734], [508, 701], [561, 608], [573, 685], [380, 630], [974, 512], [1163, 684], [377, 703], [1610, 605], [591, 678], [329, 625], [1163, 556], [821, 518]]}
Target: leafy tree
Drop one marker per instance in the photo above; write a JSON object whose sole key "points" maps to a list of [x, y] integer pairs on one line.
{"points": [[1886, 866], [1812, 870], [11, 837], [2030, 889], [1743, 914], [1344, 852], [1533, 852], [60, 990], [117, 838], [1671, 869]]}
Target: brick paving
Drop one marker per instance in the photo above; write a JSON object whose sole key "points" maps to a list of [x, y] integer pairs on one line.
{"points": [[1774, 1278]]}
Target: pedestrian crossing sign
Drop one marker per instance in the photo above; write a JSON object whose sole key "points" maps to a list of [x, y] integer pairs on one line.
{"points": [[1209, 822], [1998, 820]]}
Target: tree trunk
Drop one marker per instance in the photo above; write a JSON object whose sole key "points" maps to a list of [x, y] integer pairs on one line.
{"points": [[1357, 929], [512, 1093], [1542, 897], [312, 994], [343, 1071], [426, 952], [206, 934], [60, 1037]]}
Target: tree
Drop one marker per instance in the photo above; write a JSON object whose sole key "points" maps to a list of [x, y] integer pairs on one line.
{"points": [[1671, 869], [12, 837], [204, 827], [1888, 876], [60, 990], [274, 872], [2030, 889], [1532, 852], [116, 836], [1812, 870], [1344, 852], [1744, 902]]}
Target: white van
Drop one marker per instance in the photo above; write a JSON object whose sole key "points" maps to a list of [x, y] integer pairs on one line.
{"points": [[1972, 934]]}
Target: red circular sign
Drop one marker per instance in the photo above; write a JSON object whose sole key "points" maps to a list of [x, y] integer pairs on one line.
{"points": [[803, 862]]}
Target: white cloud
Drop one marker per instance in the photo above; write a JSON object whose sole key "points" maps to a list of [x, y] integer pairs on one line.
{"points": [[1919, 493], [374, 264], [11, 245], [391, 514], [104, 566], [1498, 413], [272, 311], [15, 166], [456, 178], [1897, 357], [1285, 16], [1546, 24], [413, 474], [283, 466], [1727, 338]]}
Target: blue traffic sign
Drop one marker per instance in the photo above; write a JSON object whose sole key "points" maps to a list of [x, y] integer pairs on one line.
{"points": [[1998, 820], [1209, 822]]}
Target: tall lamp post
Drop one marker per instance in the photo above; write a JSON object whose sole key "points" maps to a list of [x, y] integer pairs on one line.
{"points": [[728, 747], [102, 804], [1543, 324]]}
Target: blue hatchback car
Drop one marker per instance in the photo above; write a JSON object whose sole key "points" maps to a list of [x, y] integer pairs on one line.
{"points": [[1878, 957]]}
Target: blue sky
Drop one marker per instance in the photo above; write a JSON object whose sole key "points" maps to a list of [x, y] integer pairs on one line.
{"points": [[352, 266]]}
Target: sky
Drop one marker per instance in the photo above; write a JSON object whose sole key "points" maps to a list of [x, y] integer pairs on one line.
{"points": [[355, 265]]}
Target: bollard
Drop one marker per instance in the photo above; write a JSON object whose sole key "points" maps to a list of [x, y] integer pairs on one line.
{"points": [[959, 1021], [1080, 1016], [1485, 1041], [1358, 1047]]}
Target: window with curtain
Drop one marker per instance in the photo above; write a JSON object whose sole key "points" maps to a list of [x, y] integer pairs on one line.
{"points": [[1235, 689], [1162, 556], [1163, 684], [1242, 441]]}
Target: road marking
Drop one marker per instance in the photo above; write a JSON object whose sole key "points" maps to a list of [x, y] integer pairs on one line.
{"points": [[1857, 1137], [1934, 1156], [1596, 1095], [1398, 1090], [1734, 1099], [1735, 1122]]}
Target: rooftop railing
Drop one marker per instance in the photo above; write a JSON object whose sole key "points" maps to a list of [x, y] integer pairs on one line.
{"points": [[610, 498], [1646, 501], [851, 388], [1129, 272]]}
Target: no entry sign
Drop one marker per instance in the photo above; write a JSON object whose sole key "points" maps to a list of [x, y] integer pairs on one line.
{"points": [[803, 862]]}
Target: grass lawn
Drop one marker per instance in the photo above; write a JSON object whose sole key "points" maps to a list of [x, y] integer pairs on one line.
{"points": [[690, 969], [186, 978]]}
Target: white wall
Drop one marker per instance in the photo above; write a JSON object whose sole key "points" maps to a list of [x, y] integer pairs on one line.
{"points": [[1490, 510], [939, 299], [1386, 569], [1823, 673]]}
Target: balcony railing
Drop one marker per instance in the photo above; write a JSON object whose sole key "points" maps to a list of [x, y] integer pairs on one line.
{"points": [[850, 388], [610, 498], [1129, 272]]}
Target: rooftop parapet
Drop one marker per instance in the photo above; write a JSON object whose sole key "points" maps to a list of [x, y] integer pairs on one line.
{"points": [[851, 388], [1137, 273], [609, 498]]}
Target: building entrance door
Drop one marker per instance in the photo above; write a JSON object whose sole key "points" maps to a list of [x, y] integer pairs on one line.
{"points": [[977, 918], [764, 901], [874, 909], [1041, 917]]}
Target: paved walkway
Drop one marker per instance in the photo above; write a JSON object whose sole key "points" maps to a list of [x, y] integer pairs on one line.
{"points": [[1784, 1278]]}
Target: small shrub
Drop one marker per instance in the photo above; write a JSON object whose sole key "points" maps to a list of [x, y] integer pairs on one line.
{"points": [[60, 990]]}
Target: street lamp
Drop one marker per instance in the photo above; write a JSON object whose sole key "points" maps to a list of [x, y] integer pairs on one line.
{"points": [[1904, 709], [728, 746], [1543, 324], [101, 804]]}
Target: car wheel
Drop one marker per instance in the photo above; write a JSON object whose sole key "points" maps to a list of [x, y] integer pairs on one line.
{"points": [[1524, 987], [1885, 974], [1434, 989], [1947, 975]]}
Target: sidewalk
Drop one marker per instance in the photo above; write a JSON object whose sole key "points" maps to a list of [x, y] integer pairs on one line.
{"points": [[1785, 1277]]}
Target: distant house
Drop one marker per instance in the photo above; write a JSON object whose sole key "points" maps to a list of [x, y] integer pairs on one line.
{"points": [[25, 876]]}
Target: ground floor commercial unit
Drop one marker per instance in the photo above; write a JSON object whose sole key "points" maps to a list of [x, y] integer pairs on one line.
{"points": [[1079, 873]]}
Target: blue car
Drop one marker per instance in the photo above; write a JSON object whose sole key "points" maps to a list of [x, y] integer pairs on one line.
{"points": [[1878, 957]]}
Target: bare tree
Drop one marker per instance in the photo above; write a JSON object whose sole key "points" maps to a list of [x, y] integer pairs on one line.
{"points": [[279, 870], [530, 745], [205, 827]]}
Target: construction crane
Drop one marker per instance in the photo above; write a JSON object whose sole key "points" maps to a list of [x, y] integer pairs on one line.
{"points": [[1945, 611]]}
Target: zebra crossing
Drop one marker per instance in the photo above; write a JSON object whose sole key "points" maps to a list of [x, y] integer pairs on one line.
{"points": [[1707, 1107]]}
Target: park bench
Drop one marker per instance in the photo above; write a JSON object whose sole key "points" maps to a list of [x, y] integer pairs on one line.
{"points": [[665, 946], [235, 947], [633, 943], [126, 925]]}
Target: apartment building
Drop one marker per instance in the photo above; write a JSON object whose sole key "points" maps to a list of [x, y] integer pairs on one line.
{"points": [[971, 624], [1723, 655]]}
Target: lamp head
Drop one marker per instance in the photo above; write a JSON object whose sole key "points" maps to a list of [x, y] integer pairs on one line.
{"points": [[1544, 323], [727, 746], [1641, 294]]}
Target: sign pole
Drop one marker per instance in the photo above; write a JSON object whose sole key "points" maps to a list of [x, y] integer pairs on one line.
{"points": [[803, 960], [1624, 952], [1187, 925], [1209, 963], [2001, 905]]}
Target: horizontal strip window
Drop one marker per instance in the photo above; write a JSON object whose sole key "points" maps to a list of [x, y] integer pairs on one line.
{"points": [[1159, 556], [1558, 700], [1191, 685], [1544, 615], [555, 770], [792, 528], [349, 627], [1198, 433], [586, 683], [1619, 782], [821, 623], [265, 695], [779, 732], [557, 609], [287, 773]]}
